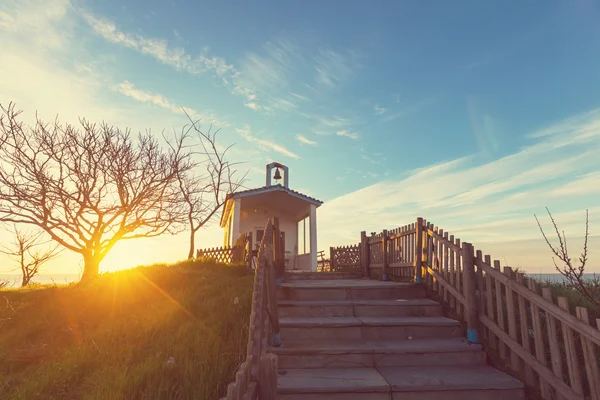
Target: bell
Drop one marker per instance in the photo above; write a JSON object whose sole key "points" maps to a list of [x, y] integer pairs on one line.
{"points": [[277, 174]]}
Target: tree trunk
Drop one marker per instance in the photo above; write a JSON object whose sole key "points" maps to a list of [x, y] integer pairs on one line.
{"points": [[91, 267], [26, 279], [192, 244]]}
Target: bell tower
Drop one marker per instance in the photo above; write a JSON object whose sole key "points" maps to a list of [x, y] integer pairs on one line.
{"points": [[277, 176]]}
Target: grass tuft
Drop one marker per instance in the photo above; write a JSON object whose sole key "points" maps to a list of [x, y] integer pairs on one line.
{"points": [[154, 332]]}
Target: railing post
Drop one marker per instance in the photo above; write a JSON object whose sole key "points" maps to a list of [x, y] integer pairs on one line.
{"points": [[364, 254], [470, 282], [278, 256], [331, 259], [419, 250], [384, 245]]}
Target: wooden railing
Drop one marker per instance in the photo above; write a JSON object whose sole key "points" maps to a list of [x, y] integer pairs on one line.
{"points": [[552, 347], [256, 378], [554, 352]]}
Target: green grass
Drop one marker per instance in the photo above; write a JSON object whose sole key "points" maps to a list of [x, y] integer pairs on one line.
{"points": [[111, 338]]}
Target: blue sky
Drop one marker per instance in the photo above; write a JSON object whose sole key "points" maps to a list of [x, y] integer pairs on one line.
{"points": [[474, 115]]}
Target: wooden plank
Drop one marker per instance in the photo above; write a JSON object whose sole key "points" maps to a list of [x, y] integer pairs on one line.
{"points": [[452, 276], [480, 294], [540, 347], [570, 350], [585, 330], [458, 286], [512, 318], [489, 295], [528, 371], [459, 296], [419, 250], [590, 357], [500, 312], [267, 384], [555, 358], [538, 367], [445, 256]]}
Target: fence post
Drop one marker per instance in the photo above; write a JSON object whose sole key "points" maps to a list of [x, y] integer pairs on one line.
{"points": [[364, 254], [278, 259], [384, 245], [331, 259], [469, 291], [419, 250]]}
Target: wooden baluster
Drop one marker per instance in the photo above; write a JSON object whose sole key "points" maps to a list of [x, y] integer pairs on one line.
{"points": [[459, 305], [489, 295], [555, 357], [445, 257], [538, 336], [525, 341], [435, 265], [512, 319], [571, 351], [470, 287], [589, 355], [480, 294], [500, 312], [452, 276]]}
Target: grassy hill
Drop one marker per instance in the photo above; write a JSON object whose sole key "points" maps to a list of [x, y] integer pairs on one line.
{"points": [[158, 332]]}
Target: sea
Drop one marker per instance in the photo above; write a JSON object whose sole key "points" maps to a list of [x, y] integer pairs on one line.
{"points": [[14, 280]]}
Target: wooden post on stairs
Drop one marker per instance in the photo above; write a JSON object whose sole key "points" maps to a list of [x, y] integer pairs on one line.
{"points": [[419, 251], [470, 287], [384, 245], [364, 254]]}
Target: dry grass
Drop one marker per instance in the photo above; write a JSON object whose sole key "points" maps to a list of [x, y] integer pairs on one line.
{"points": [[113, 338]]}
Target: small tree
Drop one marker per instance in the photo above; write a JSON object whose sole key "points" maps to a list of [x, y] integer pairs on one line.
{"points": [[205, 188], [89, 187], [26, 252], [588, 288]]}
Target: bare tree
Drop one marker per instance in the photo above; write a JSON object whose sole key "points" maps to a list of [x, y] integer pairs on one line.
{"points": [[204, 192], [89, 187], [26, 252], [588, 288]]}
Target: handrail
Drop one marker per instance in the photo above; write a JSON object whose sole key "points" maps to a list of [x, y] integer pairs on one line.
{"points": [[257, 375], [553, 351]]}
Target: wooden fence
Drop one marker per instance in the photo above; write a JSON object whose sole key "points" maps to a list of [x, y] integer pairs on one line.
{"points": [[551, 346], [240, 252], [345, 258], [256, 377]]}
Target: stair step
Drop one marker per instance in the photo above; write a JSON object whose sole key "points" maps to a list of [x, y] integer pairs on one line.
{"points": [[480, 382], [359, 308], [348, 289], [412, 383], [368, 327], [335, 353], [346, 383], [306, 275]]}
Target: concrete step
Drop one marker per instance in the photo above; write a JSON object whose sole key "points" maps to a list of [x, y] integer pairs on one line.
{"points": [[399, 383], [348, 289], [354, 328], [336, 353], [359, 308], [306, 275]]}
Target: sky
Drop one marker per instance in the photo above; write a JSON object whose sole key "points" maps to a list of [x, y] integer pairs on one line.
{"points": [[473, 115]]}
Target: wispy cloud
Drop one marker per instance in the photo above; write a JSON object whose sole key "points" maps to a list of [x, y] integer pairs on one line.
{"points": [[246, 133], [410, 109], [345, 133], [485, 201], [128, 89], [380, 110], [334, 67], [305, 140]]}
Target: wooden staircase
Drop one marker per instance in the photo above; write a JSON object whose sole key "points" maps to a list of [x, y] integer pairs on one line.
{"points": [[347, 338]]}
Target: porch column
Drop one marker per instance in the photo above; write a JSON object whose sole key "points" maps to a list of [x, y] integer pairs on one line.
{"points": [[235, 234], [313, 237]]}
